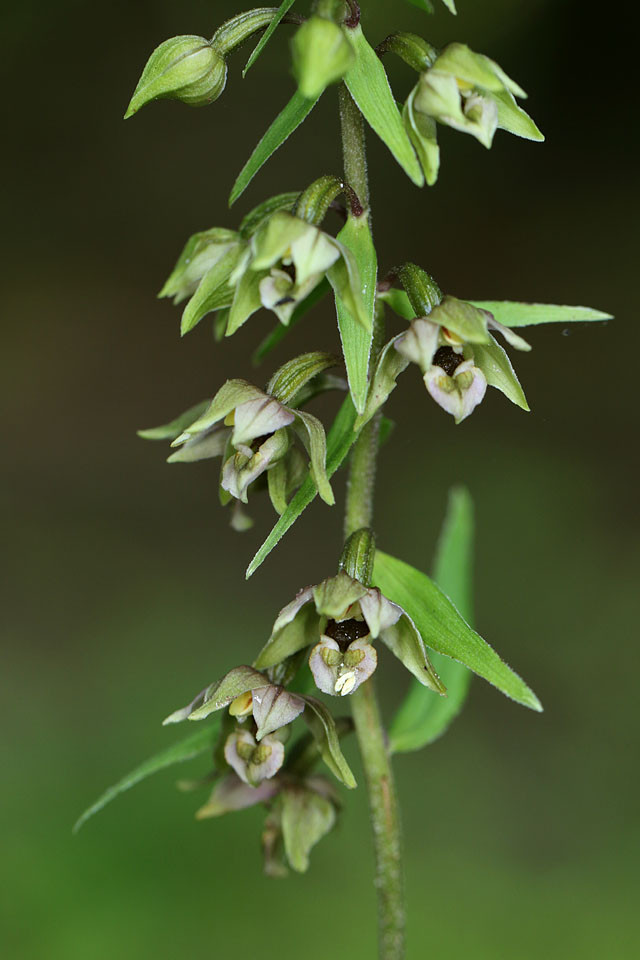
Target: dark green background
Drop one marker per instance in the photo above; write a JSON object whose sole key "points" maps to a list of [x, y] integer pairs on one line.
{"points": [[124, 585]]}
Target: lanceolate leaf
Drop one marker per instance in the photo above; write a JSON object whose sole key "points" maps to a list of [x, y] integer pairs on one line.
{"points": [[423, 717], [356, 340], [284, 7], [443, 629], [200, 742], [514, 314], [510, 313], [282, 127], [339, 441], [369, 87]]}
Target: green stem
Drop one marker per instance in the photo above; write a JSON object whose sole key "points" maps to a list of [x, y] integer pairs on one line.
{"points": [[383, 803]]}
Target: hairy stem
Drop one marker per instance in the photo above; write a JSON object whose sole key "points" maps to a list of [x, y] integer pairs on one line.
{"points": [[383, 803]]}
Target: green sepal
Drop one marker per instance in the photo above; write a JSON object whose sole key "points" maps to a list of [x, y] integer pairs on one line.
{"points": [[496, 366], [422, 718], [368, 85], [220, 694], [511, 313], [322, 55], [213, 293], [284, 8], [323, 728], [356, 336], [307, 817], [230, 395], [340, 439], [313, 436], [246, 300], [423, 134], [336, 594], [443, 629], [173, 429], [288, 120], [256, 217], [388, 368], [192, 746], [405, 642], [201, 252], [204, 446], [300, 632], [513, 118], [463, 63], [464, 319], [295, 374], [220, 323], [182, 68]]}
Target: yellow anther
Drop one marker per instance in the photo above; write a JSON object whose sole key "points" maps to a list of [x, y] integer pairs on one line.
{"points": [[242, 705]]}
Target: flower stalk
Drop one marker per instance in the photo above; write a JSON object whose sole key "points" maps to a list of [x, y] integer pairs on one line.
{"points": [[383, 803]]}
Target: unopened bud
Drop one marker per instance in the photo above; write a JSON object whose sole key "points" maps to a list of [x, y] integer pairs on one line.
{"points": [[182, 68], [322, 54]]}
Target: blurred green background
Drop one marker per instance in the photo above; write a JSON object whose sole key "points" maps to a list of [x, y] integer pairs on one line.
{"points": [[124, 585]]}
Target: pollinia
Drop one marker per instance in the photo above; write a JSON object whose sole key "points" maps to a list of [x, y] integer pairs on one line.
{"points": [[269, 728]]}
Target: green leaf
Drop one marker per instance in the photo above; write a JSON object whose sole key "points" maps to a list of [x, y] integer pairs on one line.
{"points": [[356, 340], [512, 313], [323, 728], [279, 332], [200, 742], [443, 629], [282, 127], [495, 364], [425, 5], [422, 717], [369, 87], [339, 441], [173, 429], [284, 7]]}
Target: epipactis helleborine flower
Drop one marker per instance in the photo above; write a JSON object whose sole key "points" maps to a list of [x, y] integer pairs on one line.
{"points": [[258, 437], [471, 93], [458, 356], [341, 618]]}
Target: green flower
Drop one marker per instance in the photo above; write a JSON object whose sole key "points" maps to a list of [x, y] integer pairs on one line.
{"points": [[471, 93]]}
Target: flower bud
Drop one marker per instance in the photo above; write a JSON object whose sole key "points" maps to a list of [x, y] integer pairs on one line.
{"points": [[182, 68], [322, 54]]}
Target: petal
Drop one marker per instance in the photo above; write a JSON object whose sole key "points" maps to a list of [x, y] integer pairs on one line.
{"points": [[273, 240], [448, 393], [419, 343], [517, 342], [273, 708], [258, 418], [233, 794], [334, 596], [313, 253], [229, 396], [379, 612]]}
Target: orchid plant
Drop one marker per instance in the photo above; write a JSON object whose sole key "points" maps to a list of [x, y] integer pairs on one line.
{"points": [[271, 738]]}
